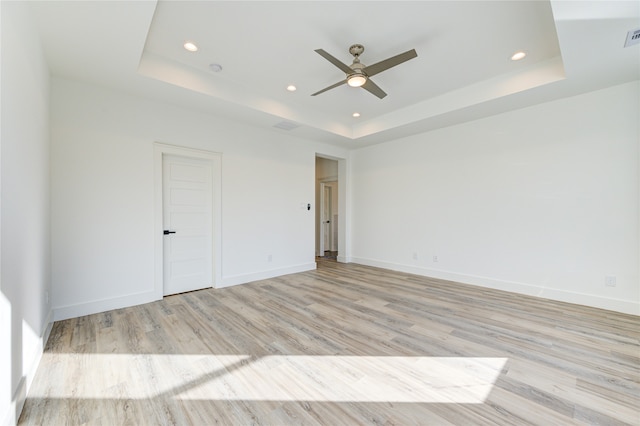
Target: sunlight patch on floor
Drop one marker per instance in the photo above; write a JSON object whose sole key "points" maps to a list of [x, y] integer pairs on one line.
{"points": [[272, 378]]}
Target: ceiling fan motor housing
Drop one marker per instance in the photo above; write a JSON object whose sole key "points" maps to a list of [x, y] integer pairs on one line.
{"points": [[358, 77], [357, 68]]}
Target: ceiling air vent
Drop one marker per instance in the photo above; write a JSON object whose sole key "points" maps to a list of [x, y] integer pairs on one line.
{"points": [[286, 125], [633, 37]]}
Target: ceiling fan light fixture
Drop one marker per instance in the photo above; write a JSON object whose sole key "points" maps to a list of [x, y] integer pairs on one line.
{"points": [[356, 80]]}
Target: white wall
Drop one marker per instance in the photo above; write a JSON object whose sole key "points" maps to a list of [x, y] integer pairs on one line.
{"points": [[542, 201], [102, 188], [24, 197]]}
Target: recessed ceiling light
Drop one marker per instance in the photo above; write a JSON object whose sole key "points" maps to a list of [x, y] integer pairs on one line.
{"points": [[356, 114], [190, 46], [518, 55], [292, 88], [215, 67]]}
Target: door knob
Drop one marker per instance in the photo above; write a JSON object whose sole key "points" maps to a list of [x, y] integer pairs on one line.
{"points": [[167, 232]]}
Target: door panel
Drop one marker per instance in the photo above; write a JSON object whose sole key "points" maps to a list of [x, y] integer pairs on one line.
{"points": [[326, 218], [187, 211]]}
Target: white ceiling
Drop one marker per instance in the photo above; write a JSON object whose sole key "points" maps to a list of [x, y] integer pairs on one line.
{"points": [[463, 70]]}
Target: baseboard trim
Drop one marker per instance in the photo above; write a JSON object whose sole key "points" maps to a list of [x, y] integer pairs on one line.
{"points": [[22, 390], [37, 355], [263, 275], [591, 300], [17, 402], [617, 305], [96, 306], [9, 417]]}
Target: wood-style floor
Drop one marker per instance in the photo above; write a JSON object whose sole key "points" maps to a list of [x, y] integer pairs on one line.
{"points": [[343, 345]]}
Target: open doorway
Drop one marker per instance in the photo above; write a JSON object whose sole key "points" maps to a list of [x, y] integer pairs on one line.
{"points": [[327, 208]]}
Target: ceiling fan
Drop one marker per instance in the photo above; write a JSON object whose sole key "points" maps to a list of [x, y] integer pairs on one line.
{"points": [[358, 74]]}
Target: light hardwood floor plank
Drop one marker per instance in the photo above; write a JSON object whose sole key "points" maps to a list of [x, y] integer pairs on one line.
{"points": [[345, 344]]}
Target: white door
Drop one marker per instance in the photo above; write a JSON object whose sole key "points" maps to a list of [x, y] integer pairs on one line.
{"points": [[326, 234], [188, 224]]}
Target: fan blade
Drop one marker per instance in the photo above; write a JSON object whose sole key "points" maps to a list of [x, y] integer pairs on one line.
{"points": [[333, 86], [373, 88], [344, 67], [378, 67]]}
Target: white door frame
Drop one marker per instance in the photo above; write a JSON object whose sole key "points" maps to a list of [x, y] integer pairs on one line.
{"points": [[160, 150], [344, 206]]}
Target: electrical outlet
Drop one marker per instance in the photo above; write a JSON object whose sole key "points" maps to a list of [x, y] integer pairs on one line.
{"points": [[435, 259], [415, 255], [610, 281], [269, 258], [633, 37]]}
